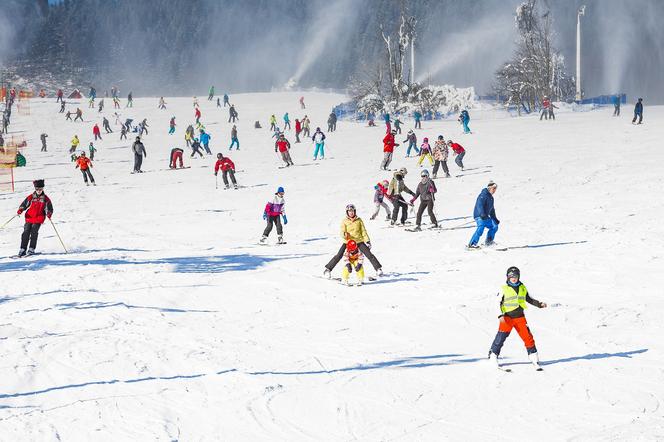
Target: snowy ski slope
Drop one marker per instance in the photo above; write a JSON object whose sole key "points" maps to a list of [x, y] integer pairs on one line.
{"points": [[166, 321]]}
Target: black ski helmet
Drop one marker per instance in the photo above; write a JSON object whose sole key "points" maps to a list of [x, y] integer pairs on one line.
{"points": [[513, 272]]}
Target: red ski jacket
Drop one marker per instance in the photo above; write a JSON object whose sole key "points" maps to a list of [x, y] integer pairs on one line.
{"points": [[38, 208], [298, 126], [197, 113], [282, 145], [457, 148], [83, 163], [224, 164], [95, 130], [388, 143]]}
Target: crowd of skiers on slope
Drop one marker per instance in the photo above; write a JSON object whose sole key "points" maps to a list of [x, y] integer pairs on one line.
{"points": [[356, 244]]}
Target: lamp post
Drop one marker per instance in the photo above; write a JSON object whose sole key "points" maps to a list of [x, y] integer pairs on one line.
{"points": [[580, 12]]}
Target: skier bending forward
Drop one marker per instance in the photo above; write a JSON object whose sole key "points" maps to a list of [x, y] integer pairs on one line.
{"points": [[352, 228]]}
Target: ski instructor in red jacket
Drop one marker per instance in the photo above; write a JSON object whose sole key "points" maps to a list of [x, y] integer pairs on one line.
{"points": [[37, 207], [388, 148]]}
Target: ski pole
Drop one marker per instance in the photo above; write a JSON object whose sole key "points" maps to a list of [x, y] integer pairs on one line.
{"points": [[10, 219], [216, 181], [56, 232]]}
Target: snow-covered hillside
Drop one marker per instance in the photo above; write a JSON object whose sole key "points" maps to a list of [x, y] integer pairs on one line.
{"points": [[167, 321]]}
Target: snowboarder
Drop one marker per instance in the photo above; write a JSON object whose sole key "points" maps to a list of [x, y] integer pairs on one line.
{"points": [[412, 142], [418, 119], [92, 149], [484, 214], [319, 142], [171, 126], [395, 189], [273, 210], [74, 144], [234, 140], [204, 137], [84, 164], [139, 152], [43, 141], [638, 111], [514, 299], [273, 123], [96, 132], [107, 126], [379, 200], [37, 207], [352, 229], [227, 168], [388, 150], [353, 260], [286, 121], [459, 152], [440, 154], [426, 191], [464, 118], [196, 148], [176, 156], [283, 146], [425, 152]]}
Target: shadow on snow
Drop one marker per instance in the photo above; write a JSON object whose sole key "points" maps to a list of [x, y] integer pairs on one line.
{"points": [[185, 264]]}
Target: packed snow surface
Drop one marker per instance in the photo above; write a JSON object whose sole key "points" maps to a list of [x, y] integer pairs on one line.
{"points": [[167, 321]]}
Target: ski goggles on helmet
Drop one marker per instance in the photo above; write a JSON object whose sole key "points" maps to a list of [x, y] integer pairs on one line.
{"points": [[350, 207]]}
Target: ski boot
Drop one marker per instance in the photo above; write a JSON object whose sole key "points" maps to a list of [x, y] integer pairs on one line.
{"points": [[372, 217], [388, 218], [21, 253], [489, 243], [87, 184], [226, 187], [493, 358], [235, 186], [417, 229], [30, 252], [472, 246], [263, 240], [280, 240], [94, 184], [379, 272], [327, 273], [360, 281], [345, 282], [534, 359]]}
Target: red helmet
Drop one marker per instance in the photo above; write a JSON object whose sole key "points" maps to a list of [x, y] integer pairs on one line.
{"points": [[351, 245]]}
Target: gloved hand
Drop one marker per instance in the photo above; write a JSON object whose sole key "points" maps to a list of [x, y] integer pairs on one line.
{"points": [[484, 217], [369, 244], [265, 215], [412, 201], [19, 211], [49, 215], [285, 219], [215, 174], [497, 221]]}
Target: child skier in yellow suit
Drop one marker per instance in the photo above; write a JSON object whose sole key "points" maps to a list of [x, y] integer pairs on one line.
{"points": [[353, 258]]}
